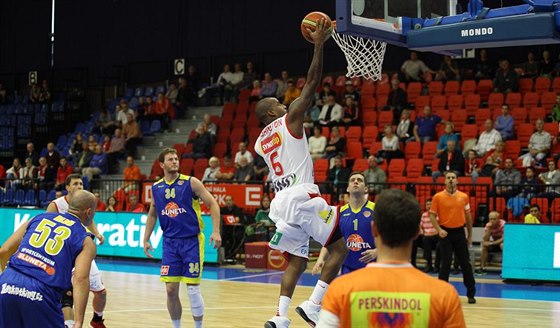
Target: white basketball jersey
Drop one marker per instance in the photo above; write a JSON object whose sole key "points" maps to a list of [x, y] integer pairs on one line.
{"points": [[287, 157], [61, 204]]}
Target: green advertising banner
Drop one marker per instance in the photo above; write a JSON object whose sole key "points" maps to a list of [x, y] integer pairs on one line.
{"points": [[123, 232]]}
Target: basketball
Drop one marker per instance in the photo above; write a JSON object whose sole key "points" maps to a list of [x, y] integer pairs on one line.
{"points": [[310, 22]]}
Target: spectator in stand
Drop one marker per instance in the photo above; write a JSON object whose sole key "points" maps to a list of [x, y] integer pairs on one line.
{"points": [[325, 92], [34, 93], [131, 176], [113, 205], [106, 143], [162, 110], [53, 157], [172, 93], [506, 79], [292, 93], [430, 239], [105, 122], [539, 146], [335, 145], [225, 84], [64, 170], [405, 128], [493, 240], [237, 79], [375, 176], [185, 97], [32, 153], [282, 86], [202, 143], [317, 144], [552, 180], [213, 168], [451, 160], [77, 146], [507, 180], [227, 171], [44, 93], [556, 110], [255, 91], [425, 126], [269, 86], [351, 112], [263, 228], [331, 113], [397, 100], [191, 84], [210, 126], [243, 153], [390, 145], [338, 176], [97, 165], [487, 139], [260, 169], [531, 68], [28, 174], [448, 70], [116, 151], [483, 69], [448, 134], [231, 208], [473, 165], [45, 177], [121, 112], [411, 69], [547, 66], [350, 91], [504, 123], [132, 136], [534, 216], [249, 76], [133, 205], [101, 206], [83, 158], [244, 172], [92, 142], [494, 160], [529, 184]]}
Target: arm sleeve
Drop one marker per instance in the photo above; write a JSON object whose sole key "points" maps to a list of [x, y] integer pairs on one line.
{"points": [[454, 317], [328, 320]]}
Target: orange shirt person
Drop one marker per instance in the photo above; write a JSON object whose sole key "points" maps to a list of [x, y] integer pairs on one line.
{"points": [[391, 292], [451, 207]]}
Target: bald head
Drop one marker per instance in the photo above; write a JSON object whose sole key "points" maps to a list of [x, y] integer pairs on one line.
{"points": [[83, 204], [269, 109]]}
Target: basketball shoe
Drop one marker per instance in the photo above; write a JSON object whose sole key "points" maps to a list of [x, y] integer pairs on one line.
{"points": [[97, 324], [309, 311], [277, 322]]}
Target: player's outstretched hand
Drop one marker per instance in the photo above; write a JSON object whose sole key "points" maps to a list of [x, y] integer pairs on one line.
{"points": [[216, 239], [318, 266], [369, 255], [321, 33], [147, 249]]}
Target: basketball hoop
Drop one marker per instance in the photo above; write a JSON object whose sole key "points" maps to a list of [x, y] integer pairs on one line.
{"points": [[364, 56]]}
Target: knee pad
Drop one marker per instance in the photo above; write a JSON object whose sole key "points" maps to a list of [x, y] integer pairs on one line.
{"points": [[67, 299], [197, 303]]}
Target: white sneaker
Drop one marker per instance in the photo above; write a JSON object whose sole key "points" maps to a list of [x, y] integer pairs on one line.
{"points": [[309, 311], [277, 322]]}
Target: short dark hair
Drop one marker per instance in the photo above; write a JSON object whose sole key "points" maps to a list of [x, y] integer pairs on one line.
{"points": [[535, 205], [397, 217], [166, 151], [71, 177], [357, 172]]}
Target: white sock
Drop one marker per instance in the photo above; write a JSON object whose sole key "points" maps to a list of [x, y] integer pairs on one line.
{"points": [[69, 323], [99, 313], [283, 305], [198, 324], [176, 323], [319, 292]]}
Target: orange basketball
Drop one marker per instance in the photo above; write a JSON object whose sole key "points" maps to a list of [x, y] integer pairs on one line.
{"points": [[310, 22]]}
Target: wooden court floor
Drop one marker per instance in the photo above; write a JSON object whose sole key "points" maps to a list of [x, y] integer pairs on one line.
{"points": [[138, 300]]}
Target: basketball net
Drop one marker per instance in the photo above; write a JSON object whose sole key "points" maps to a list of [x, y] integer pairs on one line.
{"points": [[364, 56]]}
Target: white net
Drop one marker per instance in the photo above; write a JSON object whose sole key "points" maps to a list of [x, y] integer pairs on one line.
{"points": [[364, 56]]}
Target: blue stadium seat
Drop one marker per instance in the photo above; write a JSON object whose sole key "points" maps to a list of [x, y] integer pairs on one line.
{"points": [[145, 127], [149, 92], [30, 198], [127, 94], [160, 89], [85, 181], [19, 197], [133, 103], [155, 127], [51, 196], [43, 198], [138, 92]]}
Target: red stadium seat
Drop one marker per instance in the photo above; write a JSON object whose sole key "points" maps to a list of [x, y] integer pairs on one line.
{"points": [[413, 91], [459, 119], [519, 115], [482, 114], [495, 100], [542, 85], [530, 99], [353, 134], [397, 167], [438, 102], [536, 113], [547, 100], [360, 164], [385, 119], [186, 166], [484, 88], [369, 118], [468, 87], [414, 168], [421, 102], [525, 85], [428, 152], [472, 103], [455, 102], [524, 133], [412, 149], [354, 150], [513, 99], [513, 148], [435, 88], [451, 88], [370, 135]]}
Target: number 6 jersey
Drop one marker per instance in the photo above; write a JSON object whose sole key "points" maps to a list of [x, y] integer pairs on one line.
{"points": [[287, 156]]}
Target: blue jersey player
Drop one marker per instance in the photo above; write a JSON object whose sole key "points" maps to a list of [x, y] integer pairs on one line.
{"points": [[42, 253], [176, 205], [355, 225]]}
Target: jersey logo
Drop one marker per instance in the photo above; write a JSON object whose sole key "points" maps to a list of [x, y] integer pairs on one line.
{"points": [[327, 215], [164, 270], [36, 262], [271, 143], [180, 182], [172, 210], [367, 214], [285, 182], [355, 242]]}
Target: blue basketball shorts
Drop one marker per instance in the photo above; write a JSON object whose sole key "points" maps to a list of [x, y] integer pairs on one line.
{"points": [[182, 259]]}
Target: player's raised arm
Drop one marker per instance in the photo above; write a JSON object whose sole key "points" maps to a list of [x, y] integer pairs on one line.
{"points": [[211, 202], [297, 109]]}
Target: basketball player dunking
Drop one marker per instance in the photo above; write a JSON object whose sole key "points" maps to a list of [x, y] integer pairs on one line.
{"points": [[298, 210], [60, 205]]}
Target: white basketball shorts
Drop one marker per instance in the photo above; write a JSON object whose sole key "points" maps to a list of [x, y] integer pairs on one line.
{"points": [[299, 212]]}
